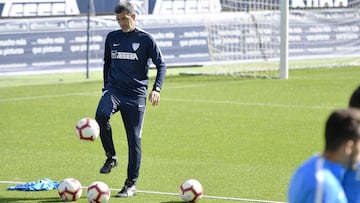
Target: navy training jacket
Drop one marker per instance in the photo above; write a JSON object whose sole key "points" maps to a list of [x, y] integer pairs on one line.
{"points": [[127, 60]]}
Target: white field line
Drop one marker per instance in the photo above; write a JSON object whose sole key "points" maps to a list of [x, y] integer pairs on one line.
{"points": [[174, 194], [94, 93], [51, 96], [210, 197], [208, 101], [246, 103]]}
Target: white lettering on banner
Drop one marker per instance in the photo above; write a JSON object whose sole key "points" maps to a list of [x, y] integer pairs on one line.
{"points": [[9, 27], [48, 25], [226, 40], [77, 24], [251, 40], [194, 34], [347, 29], [257, 39], [334, 16], [169, 56], [294, 38], [83, 39], [83, 48], [230, 40], [163, 43], [295, 30], [229, 33], [317, 37], [96, 38], [320, 29], [49, 40], [261, 31], [80, 39], [319, 3], [346, 36], [192, 42], [162, 35], [47, 49], [13, 42], [11, 51]]}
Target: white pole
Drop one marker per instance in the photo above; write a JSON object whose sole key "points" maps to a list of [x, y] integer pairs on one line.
{"points": [[88, 34], [284, 43], [146, 7]]}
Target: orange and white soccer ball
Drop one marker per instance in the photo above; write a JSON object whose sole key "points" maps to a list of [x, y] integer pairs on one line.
{"points": [[98, 192], [70, 189], [87, 129], [191, 190]]}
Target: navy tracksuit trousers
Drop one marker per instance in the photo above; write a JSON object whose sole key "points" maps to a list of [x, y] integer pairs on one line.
{"points": [[132, 111]]}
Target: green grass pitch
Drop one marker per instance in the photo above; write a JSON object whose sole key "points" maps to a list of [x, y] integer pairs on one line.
{"points": [[241, 138]]}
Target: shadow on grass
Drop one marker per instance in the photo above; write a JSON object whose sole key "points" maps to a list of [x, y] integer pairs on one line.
{"points": [[173, 202], [19, 199]]}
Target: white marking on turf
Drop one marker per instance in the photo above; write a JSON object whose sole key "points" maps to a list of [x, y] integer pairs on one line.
{"points": [[50, 96], [210, 197], [98, 94], [246, 103], [171, 194]]}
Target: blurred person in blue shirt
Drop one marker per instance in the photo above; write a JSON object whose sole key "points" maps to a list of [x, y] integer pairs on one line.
{"points": [[318, 180], [351, 181]]}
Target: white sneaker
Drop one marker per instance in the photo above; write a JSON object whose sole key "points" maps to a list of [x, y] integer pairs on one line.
{"points": [[127, 191]]}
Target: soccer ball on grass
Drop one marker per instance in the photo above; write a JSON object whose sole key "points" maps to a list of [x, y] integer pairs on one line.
{"points": [[98, 192], [191, 190], [87, 129], [70, 189]]}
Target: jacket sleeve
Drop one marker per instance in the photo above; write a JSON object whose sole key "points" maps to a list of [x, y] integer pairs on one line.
{"points": [[160, 65], [107, 61]]}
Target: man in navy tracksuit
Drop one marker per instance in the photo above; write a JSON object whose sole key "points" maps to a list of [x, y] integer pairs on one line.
{"points": [[126, 64]]}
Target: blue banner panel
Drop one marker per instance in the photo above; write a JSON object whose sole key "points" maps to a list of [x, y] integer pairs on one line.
{"points": [[61, 43]]}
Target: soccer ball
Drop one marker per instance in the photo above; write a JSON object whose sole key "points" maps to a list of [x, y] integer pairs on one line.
{"points": [[98, 192], [70, 189], [191, 190], [87, 129]]}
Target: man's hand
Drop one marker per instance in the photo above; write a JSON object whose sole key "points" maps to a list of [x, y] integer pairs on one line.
{"points": [[154, 97]]}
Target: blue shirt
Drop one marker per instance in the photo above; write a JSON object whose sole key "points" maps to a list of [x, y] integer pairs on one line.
{"points": [[317, 180], [351, 184], [127, 57]]}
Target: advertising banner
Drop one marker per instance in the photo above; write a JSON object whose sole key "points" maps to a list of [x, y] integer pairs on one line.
{"points": [[60, 43]]}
